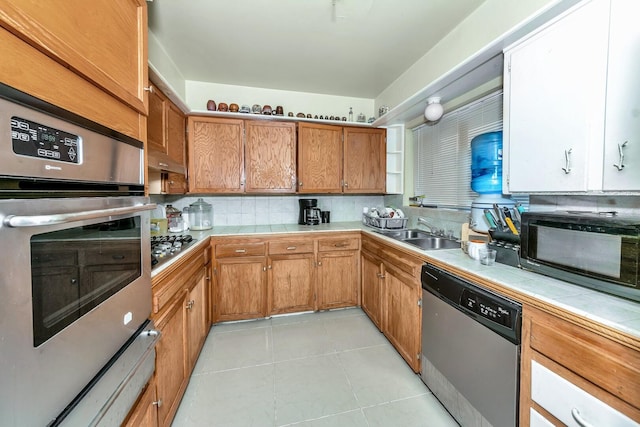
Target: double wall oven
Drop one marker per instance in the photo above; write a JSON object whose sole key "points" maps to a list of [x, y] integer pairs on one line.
{"points": [[75, 285]]}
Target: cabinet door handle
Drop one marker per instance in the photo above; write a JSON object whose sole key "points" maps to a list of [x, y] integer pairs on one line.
{"points": [[575, 413], [380, 276], [300, 184], [190, 304], [567, 160], [149, 89], [319, 263], [241, 251], [157, 403], [264, 268], [164, 165], [620, 164], [291, 248], [346, 184]]}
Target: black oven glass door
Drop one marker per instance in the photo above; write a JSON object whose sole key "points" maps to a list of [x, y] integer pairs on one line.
{"points": [[76, 269]]}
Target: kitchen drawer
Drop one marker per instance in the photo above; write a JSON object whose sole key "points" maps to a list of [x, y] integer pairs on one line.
{"points": [[44, 256], [590, 356], [291, 247], [338, 244], [569, 403], [228, 250], [538, 420]]}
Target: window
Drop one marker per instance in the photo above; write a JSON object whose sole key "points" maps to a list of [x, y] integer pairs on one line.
{"points": [[442, 163]]}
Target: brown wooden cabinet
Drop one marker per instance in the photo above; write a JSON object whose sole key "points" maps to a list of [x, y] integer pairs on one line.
{"points": [[372, 288], [576, 362], [100, 75], [365, 160], [291, 278], [319, 158], [223, 160], [240, 280], [172, 366], [166, 129], [216, 155], [391, 294], [181, 313], [338, 272], [270, 157], [145, 412], [403, 315], [335, 159]]}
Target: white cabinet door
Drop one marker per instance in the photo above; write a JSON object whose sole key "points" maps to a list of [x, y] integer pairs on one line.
{"points": [[555, 83], [622, 125]]}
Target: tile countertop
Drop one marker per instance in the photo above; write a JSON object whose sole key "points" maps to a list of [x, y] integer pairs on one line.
{"points": [[613, 312]]}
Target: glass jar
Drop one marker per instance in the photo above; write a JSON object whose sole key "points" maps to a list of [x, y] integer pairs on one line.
{"points": [[174, 219], [200, 215]]}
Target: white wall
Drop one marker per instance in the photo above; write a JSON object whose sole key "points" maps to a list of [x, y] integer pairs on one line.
{"points": [[164, 65], [486, 24], [198, 93]]}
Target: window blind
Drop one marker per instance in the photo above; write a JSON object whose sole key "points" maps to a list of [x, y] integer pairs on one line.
{"points": [[442, 162]]}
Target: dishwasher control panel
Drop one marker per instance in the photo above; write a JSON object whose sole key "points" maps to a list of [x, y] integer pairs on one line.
{"points": [[487, 308]]}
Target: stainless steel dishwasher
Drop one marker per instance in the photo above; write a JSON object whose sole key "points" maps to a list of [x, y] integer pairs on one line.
{"points": [[470, 349]]}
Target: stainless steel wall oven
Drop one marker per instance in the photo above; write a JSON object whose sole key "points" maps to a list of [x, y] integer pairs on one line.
{"points": [[75, 285]]}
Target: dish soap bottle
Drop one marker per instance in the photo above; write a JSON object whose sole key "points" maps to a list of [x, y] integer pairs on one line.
{"points": [[350, 114]]}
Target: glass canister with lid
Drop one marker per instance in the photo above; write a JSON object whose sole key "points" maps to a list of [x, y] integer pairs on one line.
{"points": [[200, 215]]}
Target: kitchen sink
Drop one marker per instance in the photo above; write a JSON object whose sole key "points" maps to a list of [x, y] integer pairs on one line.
{"points": [[422, 239], [433, 242]]}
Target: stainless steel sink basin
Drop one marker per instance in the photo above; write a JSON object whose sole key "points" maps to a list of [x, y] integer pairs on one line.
{"points": [[433, 242], [422, 239]]}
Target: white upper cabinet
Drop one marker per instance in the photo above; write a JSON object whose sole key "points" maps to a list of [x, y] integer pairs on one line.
{"points": [[622, 121], [572, 96]]}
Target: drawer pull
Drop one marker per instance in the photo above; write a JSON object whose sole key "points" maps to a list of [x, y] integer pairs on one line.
{"points": [[241, 251], [575, 413], [340, 245], [118, 257], [291, 248]]}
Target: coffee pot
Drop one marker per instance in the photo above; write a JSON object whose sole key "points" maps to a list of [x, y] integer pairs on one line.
{"points": [[309, 212]]}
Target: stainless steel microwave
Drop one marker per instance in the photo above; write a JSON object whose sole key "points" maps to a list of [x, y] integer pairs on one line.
{"points": [[598, 250]]}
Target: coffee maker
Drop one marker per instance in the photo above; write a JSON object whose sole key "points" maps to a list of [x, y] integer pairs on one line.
{"points": [[309, 212]]}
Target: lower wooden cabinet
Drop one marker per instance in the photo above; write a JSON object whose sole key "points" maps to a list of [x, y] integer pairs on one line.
{"points": [[372, 286], [240, 268], [572, 376], [172, 367], [181, 314], [391, 296], [291, 279], [338, 272], [145, 413]]}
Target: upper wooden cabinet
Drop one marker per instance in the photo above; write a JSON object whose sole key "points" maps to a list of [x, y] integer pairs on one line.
{"points": [[216, 155], [223, 160], [365, 160], [90, 62], [333, 159], [166, 129], [270, 157], [106, 46], [319, 158]]}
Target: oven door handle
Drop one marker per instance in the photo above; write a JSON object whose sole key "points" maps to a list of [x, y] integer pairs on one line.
{"points": [[44, 220]]}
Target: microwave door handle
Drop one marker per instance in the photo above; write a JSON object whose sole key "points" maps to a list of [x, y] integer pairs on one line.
{"points": [[17, 221]]}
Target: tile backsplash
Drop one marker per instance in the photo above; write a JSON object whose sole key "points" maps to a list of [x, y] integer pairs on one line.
{"points": [[263, 210]]}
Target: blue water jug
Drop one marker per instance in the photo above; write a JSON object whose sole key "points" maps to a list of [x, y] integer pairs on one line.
{"points": [[486, 163]]}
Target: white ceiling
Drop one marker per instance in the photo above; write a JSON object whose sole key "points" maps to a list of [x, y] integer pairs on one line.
{"points": [[357, 48]]}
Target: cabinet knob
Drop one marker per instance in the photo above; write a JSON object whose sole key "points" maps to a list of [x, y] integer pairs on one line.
{"points": [[157, 403], [190, 304], [300, 184], [291, 248], [346, 184], [319, 263], [149, 89]]}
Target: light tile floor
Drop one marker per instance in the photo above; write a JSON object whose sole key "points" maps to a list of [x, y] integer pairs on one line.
{"points": [[318, 369]]}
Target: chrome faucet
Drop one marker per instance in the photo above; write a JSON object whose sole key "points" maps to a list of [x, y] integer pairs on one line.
{"points": [[424, 222]]}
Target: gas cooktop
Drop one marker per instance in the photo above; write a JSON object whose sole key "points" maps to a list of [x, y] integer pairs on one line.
{"points": [[164, 248]]}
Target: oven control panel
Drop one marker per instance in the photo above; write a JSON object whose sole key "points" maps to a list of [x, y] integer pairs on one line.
{"points": [[35, 140]]}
